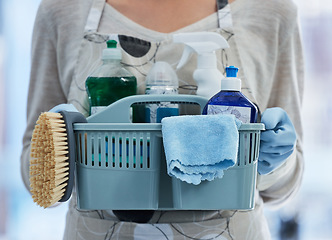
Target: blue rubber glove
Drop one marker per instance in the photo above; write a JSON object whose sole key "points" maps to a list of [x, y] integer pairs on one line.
{"points": [[64, 107], [277, 141]]}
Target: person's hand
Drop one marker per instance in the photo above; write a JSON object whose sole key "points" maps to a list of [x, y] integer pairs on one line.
{"points": [[63, 107], [277, 141]]}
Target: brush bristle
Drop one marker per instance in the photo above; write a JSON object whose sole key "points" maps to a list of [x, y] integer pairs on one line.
{"points": [[49, 162]]}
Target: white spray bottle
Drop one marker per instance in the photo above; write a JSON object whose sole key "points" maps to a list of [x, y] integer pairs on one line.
{"points": [[206, 75]]}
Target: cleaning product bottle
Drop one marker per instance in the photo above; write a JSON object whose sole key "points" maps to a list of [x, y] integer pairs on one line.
{"points": [[230, 100], [161, 79], [206, 75], [109, 82]]}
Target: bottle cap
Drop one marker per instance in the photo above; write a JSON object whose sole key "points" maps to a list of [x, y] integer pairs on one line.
{"points": [[231, 71], [162, 74], [111, 52], [231, 82]]}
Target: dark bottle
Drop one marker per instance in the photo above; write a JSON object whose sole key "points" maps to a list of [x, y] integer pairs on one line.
{"points": [[111, 81], [230, 100]]}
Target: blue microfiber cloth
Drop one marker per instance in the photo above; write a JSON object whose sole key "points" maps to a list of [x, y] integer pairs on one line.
{"points": [[200, 147]]}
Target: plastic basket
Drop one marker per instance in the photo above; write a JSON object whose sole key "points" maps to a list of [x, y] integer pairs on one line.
{"points": [[121, 165]]}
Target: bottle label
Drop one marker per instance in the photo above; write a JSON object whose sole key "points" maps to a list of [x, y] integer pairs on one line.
{"points": [[241, 113], [155, 112]]}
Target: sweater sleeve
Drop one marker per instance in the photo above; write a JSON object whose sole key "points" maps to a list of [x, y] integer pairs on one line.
{"points": [[287, 92], [45, 90]]}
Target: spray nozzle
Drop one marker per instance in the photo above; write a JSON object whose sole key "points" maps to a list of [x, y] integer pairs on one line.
{"points": [[206, 75], [204, 44]]}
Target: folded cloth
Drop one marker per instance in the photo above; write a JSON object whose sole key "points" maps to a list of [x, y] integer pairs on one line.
{"points": [[200, 147]]}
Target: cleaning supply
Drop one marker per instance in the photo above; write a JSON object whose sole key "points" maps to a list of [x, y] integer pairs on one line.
{"points": [[161, 79], [230, 100], [111, 81], [97, 184], [206, 75], [52, 161], [200, 147], [277, 141]]}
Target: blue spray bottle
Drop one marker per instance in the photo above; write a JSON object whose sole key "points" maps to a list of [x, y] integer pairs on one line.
{"points": [[230, 100]]}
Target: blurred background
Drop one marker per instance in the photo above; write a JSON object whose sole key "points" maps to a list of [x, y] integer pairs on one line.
{"points": [[308, 216]]}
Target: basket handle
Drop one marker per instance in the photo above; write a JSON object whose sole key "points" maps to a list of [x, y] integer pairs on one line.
{"points": [[118, 112]]}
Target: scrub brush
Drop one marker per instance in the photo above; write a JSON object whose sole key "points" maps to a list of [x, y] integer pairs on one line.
{"points": [[52, 159]]}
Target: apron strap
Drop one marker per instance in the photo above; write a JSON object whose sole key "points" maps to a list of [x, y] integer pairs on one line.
{"points": [[221, 4], [225, 23], [224, 16], [94, 16]]}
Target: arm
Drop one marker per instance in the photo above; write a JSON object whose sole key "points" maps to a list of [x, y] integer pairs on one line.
{"points": [[45, 89], [287, 92]]}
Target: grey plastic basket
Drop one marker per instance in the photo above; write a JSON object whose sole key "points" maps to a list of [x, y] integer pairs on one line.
{"points": [[121, 165]]}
